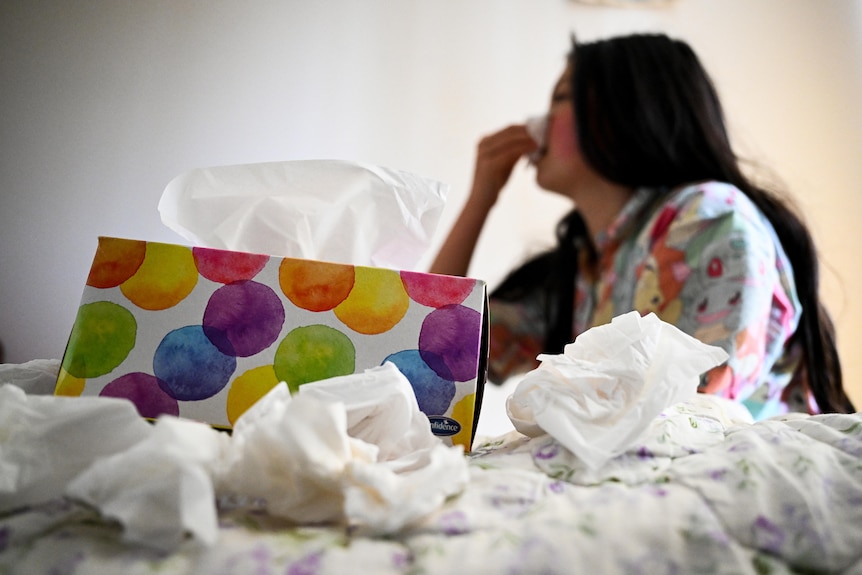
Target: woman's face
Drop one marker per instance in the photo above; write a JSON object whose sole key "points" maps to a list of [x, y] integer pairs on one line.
{"points": [[562, 168]]}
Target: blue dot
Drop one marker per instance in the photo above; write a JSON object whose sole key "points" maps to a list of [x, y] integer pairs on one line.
{"points": [[189, 367], [433, 393]]}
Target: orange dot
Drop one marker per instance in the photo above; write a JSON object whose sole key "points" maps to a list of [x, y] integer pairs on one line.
{"points": [[115, 262], [167, 275], [315, 286], [376, 303]]}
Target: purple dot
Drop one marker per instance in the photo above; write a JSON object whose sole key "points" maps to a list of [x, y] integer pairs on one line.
{"points": [[243, 318], [143, 390], [433, 393], [189, 367], [449, 342]]}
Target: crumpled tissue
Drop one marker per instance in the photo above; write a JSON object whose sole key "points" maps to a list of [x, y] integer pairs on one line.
{"points": [[363, 453], [160, 490], [406, 429], [327, 210], [35, 377], [605, 389], [537, 127], [46, 441], [354, 450]]}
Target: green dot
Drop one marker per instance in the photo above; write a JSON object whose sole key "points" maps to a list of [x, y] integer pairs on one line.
{"points": [[312, 353], [102, 337]]}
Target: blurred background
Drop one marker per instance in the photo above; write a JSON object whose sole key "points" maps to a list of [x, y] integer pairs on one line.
{"points": [[103, 102]]}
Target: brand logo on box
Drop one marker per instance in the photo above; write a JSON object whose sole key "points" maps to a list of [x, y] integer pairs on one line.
{"points": [[445, 426]]}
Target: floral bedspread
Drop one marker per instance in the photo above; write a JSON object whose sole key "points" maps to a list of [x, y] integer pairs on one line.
{"points": [[698, 493]]}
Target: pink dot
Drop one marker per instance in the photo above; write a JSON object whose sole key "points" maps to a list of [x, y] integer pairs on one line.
{"points": [[436, 290], [225, 267]]}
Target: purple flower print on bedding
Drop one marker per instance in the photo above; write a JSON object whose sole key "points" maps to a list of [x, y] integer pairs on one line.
{"points": [[548, 451], [557, 486], [308, 565], [455, 523], [767, 535]]}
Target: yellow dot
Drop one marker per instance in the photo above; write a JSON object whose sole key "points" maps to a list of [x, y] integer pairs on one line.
{"points": [[247, 389], [69, 385], [463, 414], [376, 303], [167, 275]]}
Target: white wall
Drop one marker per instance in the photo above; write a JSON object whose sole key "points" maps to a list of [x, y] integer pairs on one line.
{"points": [[105, 101]]}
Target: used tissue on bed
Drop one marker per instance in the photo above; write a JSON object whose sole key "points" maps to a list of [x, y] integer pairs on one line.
{"points": [[353, 450], [329, 210], [47, 441], [605, 389], [362, 451]]}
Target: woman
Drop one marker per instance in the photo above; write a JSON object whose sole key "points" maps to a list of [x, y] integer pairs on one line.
{"points": [[664, 221]]}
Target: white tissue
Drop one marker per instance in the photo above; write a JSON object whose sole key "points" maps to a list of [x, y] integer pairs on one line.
{"points": [[537, 127], [353, 449], [46, 441], [597, 397], [328, 210], [291, 453], [383, 498], [36, 377], [413, 472], [381, 410], [160, 490]]}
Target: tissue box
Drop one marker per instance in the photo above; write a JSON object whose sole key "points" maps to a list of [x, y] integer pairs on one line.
{"points": [[204, 333]]}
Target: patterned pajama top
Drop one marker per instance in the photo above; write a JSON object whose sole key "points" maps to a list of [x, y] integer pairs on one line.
{"points": [[704, 259]]}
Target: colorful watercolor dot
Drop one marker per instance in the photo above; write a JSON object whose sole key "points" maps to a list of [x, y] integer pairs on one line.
{"points": [[433, 393], [167, 275], [143, 390], [115, 261], [243, 318], [312, 353], [463, 412], [69, 385], [449, 341], [225, 267], [436, 290], [315, 286], [103, 335], [189, 367], [376, 303], [247, 389]]}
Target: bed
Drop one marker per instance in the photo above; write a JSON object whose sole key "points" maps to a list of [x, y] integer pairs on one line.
{"points": [[701, 490]]}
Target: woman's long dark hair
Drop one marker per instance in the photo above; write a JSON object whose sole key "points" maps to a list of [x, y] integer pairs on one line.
{"points": [[647, 114]]}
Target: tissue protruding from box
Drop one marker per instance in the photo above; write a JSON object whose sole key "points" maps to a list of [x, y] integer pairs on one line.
{"points": [[328, 210]]}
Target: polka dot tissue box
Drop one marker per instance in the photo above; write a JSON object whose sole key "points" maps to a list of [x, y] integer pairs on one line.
{"points": [[204, 333]]}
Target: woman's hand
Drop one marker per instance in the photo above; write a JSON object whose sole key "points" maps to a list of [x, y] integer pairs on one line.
{"points": [[495, 160], [496, 157]]}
